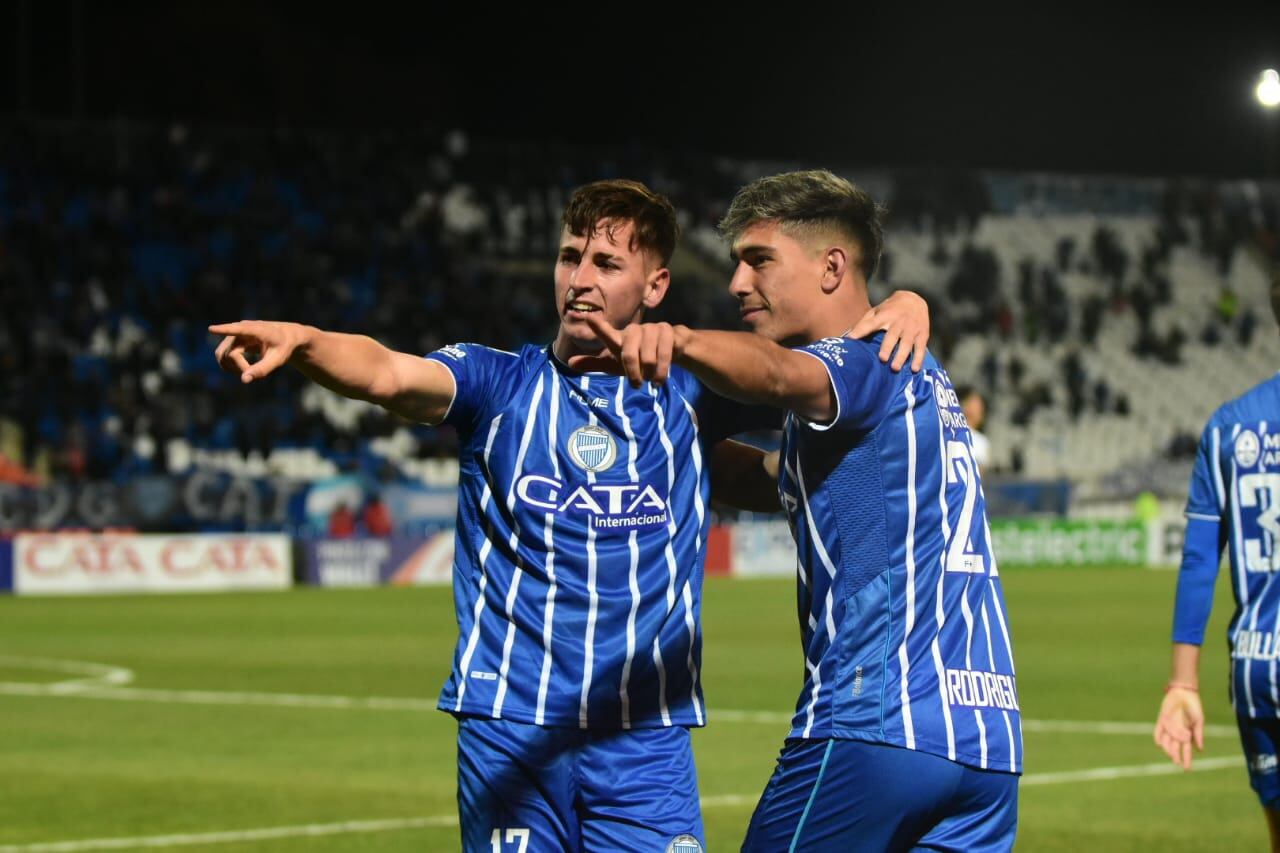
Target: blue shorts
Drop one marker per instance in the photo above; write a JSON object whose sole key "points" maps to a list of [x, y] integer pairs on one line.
{"points": [[849, 795], [1259, 739], [525, 789]]}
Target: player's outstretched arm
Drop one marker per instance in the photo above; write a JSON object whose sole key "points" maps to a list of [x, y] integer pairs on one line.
{"points": [[1180, 723], [744, 477], [354, 366], [738, 365]]}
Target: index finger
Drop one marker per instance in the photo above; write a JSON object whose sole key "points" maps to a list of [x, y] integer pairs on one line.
{"points": [[604, 330], [237, 328]]}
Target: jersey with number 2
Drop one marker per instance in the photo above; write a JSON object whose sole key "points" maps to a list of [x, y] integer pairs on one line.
{"points": [[902, 617]]}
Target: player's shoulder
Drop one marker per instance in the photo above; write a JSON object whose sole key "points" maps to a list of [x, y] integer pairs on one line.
{"points": [[863, 351], [470, 355], [1259, 403]]}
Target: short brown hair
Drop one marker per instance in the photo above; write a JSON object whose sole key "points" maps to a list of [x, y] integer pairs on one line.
{"points": [[656, 229], [805, 201]]}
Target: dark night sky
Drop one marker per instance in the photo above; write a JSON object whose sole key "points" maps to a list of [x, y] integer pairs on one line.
{"points": [[1082, 89]]}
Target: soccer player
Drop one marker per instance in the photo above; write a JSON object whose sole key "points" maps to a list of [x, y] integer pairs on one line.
{"points": [[1234, 501], [582, 524], [907, 731]]}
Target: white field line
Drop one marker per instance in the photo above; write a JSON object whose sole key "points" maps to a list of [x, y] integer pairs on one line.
{"points": [[311, 830], [1162, 768], [83, 689], [90, 673], [367, 826]]}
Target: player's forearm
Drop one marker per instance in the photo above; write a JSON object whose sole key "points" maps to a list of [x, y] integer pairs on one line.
{"points": [[1184, 668], [741, 479], [752, 369], [354, 366]]}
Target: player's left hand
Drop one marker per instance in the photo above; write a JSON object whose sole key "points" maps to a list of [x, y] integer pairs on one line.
{"points": [[642, 352], [1180, 725], [904, 319]]}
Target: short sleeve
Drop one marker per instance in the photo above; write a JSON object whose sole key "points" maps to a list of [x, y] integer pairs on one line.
{"points": [[1204, 499], [477, 380], [863, 385]]}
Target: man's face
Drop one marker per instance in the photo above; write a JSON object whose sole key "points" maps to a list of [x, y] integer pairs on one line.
{"points": [[777, 282], [601, 272], [975, 410]]}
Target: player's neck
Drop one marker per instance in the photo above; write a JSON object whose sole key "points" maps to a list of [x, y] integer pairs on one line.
{"points": [[565, 347], [840, 320]]}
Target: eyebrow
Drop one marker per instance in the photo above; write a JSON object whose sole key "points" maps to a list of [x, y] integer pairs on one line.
{"points": [[750, 249]]}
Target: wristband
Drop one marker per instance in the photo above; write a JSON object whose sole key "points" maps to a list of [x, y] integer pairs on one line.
{"points": [[1178, 685]]}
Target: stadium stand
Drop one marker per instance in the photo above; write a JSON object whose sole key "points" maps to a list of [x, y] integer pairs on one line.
{"points": [[1103, 318]]}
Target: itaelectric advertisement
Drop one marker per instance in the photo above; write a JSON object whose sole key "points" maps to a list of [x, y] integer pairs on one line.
{"points": [[85, 563]]}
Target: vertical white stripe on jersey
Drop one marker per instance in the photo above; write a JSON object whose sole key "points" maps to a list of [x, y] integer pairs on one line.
{"points": [[904, 661], [816, 678], [464, 665], [941, 618], [695, 453], [669, 551], [816, 538], [940, 593], [514, 544], [804, 578], [1004, 629], [1217, 469], [593, 610], [548, 540], [1248, 614], [633, 579], [1242, 581], [991, 652], [982, 738], [829, 605]]}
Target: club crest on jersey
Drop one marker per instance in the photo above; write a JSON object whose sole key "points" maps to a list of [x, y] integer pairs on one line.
{"points": [[591, 448], [1247, 448], [684, 844]]}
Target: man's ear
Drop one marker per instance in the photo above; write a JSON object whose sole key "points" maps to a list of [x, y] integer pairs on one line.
{"points": [[836, 262], [655, 288]]}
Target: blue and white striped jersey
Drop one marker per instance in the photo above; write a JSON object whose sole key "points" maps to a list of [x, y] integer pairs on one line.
{"points": [[902, 617], [581, 533], [1234, 501]]}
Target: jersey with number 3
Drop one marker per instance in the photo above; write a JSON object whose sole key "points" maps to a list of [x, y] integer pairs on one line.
{"points": [[902, 617], [1235, 485]]}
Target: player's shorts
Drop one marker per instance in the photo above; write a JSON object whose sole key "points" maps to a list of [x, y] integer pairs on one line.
{"points": [[1260, 739], [848, 795], [527, 789]]}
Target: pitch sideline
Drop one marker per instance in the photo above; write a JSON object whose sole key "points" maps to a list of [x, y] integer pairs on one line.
{"points": [[369, 826]]}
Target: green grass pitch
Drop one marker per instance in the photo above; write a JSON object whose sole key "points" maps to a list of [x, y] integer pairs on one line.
{"points": [[183, 758]]}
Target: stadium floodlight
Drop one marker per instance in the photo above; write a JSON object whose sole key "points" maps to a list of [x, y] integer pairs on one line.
{"points": [[1268, 90]]}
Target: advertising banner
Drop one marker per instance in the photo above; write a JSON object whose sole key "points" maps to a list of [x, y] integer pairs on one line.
{"points": [[82, 563], [763, 549], [397, 560], [1058, 542]]}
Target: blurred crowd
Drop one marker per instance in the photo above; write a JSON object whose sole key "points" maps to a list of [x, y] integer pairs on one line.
{"points": [[120, 243]]}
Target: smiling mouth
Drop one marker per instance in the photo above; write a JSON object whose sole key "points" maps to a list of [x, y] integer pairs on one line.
{"points": [[580, 308], [748, 313]]}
